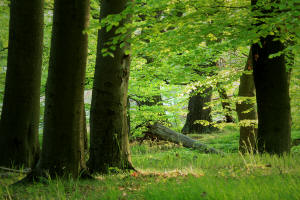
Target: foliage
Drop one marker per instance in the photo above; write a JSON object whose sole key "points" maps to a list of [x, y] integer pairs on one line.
{"points": [[295, 95], [190, 46], [4, 20]]}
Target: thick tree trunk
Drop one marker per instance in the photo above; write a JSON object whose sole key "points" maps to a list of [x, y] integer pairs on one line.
{"points": [[109, 146], [246, 110], [62, 152], [178, 138], [272, 95], [19, 144], [196, 112]]}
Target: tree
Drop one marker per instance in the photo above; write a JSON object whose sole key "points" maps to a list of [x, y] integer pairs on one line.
{"points": [[62, 146], [197, 111], [246, 110], [272, 92], [225, 104], [109, 146], [19, 144]]}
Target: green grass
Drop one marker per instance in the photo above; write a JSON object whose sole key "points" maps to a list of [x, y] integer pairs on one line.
{"points": [[168, 171]]}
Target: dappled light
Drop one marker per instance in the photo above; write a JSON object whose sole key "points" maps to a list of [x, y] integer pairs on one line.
{"points": [[149, 99]]}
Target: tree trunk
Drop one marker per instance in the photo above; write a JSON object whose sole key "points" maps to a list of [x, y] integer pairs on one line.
{"points": [[62, 152], [109, 146], [128, 116], [83, 139], [272, 95], [196, 112], [246, 110], [225, 104], [19, 144], [178, 138]]}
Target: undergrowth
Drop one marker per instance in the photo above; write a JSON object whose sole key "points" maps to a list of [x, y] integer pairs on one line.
{"points": [[168, 171]]}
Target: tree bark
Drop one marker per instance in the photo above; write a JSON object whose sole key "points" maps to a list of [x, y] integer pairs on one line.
{"points": [[62, 152], [109, 146], [178, 138], [272, 95], [83, 139], [246, 110], [19, 144], [196, 112]]}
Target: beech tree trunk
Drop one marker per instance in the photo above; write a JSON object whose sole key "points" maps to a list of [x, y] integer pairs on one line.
{"points": [[178, 138], [109, 146], [196, 112], [272, 95], [62, 149], [19, 144], [246, 109]]}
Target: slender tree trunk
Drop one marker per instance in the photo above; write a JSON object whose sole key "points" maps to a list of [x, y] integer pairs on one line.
{"points": [[246, 110], [128, 116], [154, 99], [19, 144], [62, 151], [109, 145], [197, 112], [83, 139], [272, 94], [225, 104]]}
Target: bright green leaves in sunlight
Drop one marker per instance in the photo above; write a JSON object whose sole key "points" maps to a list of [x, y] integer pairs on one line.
{"points": [[4, 20], [186, 44]]}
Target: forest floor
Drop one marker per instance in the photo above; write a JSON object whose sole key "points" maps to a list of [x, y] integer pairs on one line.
{"points": [[168, 171]]}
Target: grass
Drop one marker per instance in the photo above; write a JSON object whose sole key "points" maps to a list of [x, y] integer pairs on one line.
{"points": [[168, 171]]}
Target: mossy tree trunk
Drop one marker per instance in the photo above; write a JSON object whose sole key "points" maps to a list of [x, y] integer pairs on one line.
{"points": [[109, 146], [246, 110], [62, 149], [197, 111], [19, 144]]}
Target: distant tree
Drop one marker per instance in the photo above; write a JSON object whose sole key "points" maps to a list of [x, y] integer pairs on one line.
{"points": [[246, 110], [225, 104], [197, 111], [109, 146], [272, 92], [62, 152], [19, 144]]}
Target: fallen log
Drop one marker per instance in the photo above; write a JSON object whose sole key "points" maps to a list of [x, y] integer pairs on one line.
{"points": [[178, 138], [24, 171]]}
